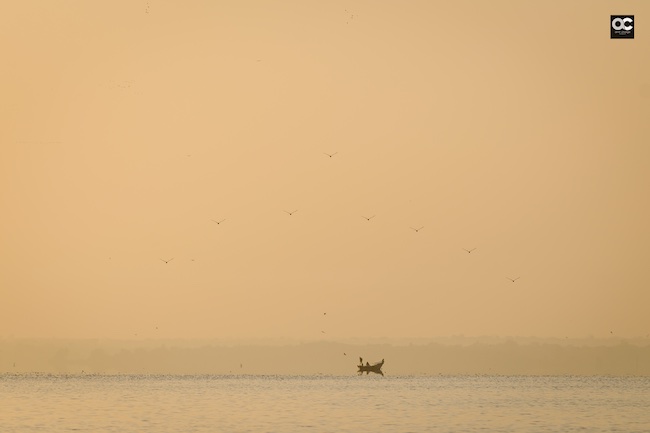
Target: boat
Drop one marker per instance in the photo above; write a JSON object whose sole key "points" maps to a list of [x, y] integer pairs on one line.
{"points": [[375, 368]]}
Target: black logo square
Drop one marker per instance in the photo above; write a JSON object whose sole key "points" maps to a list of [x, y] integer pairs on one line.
{"points": [[621, 26]]}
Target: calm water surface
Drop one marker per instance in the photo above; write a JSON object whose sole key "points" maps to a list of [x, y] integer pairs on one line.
{"points": [[45, 403]]}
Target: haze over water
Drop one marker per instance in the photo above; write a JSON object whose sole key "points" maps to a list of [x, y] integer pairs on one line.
{"points": [[257, 188]]}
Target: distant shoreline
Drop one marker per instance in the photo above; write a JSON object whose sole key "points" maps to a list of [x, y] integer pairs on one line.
{"points": [[616, 357]]}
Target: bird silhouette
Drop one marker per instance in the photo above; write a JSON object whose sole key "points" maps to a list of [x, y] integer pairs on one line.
{"points": [[417, 230], [219, 222], [368, 218], [469, 251], [330, 154], [167, 261], [351, 17], [292, 212], [513, 280]]}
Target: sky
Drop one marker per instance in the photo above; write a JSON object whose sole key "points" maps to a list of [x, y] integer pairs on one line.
{"points": [[514, 129]]}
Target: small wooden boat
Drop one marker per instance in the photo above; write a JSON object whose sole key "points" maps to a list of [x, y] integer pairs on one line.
{"points": [[375, 368]]}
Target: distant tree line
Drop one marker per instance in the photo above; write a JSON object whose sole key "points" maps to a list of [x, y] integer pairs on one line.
{"points": [[502, 358]]}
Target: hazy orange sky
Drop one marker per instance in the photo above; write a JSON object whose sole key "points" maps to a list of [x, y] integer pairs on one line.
{"points": [[518, 128]]}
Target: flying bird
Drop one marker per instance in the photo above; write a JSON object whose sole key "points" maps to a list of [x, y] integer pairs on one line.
{"points": [[218, 222], [330, 154], [513, 280], [292, 212], [351, 17], [368, 218], [167, 261], [469, 251], [417, 230]]}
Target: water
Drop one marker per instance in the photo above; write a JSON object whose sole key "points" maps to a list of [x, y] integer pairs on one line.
{"points": [[369, 403]]}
